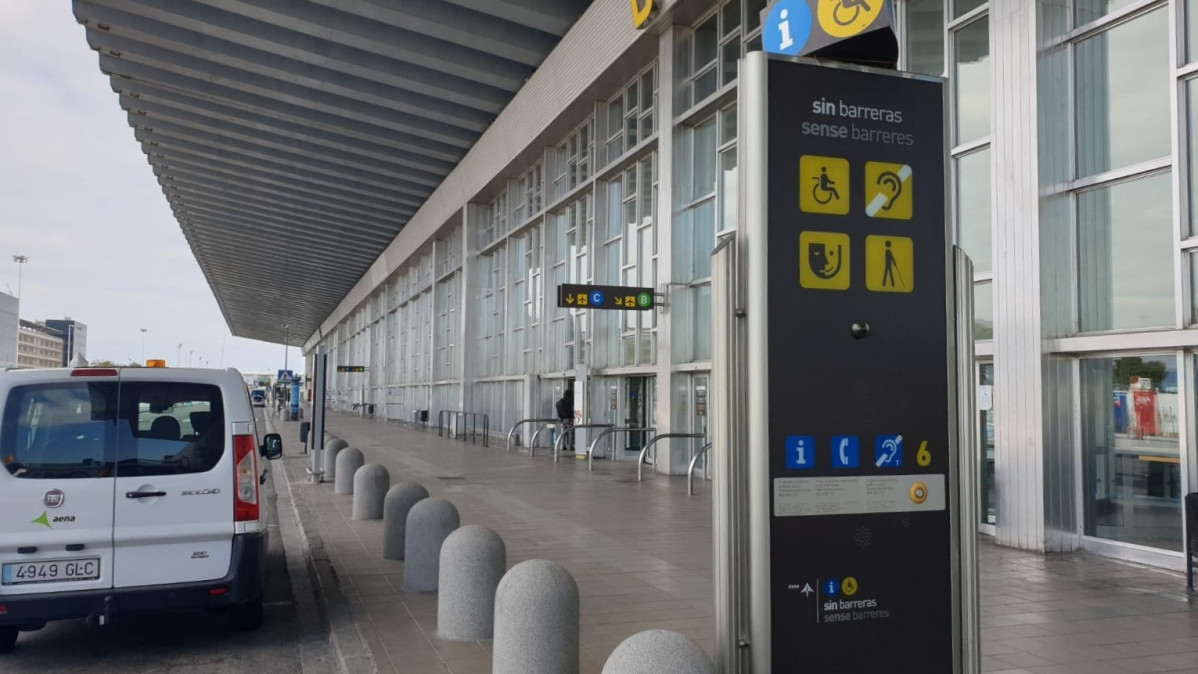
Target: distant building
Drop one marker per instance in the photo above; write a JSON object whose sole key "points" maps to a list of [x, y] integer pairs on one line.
{"points": [[38, 345], [9, 311], [74, 338]]}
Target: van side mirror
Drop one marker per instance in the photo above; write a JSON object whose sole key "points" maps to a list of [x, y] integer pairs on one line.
{"points": [[272, 446]]}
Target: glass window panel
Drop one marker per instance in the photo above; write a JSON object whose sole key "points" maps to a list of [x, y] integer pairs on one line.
{"points": [[1131, 451], [753, 14], [963, 7], [704, 238], [727, 124], [1121, 95], [683, 186], [1085, 11], [730, 54], [705, 85], [613, 209], [615, 117], [1191, 30], [973, 208], [630, 132], [646, 192], [731, 17], [702, 327], [648, 88], [754, 44], [1192, 106], [971, 76], [683, 238], [728, 189], [1125, 239], [983, 310], [706, 42], [705, 170], [1193, 259]]}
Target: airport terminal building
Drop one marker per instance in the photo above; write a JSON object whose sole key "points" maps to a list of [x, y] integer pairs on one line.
{"points": [[615, 163]]}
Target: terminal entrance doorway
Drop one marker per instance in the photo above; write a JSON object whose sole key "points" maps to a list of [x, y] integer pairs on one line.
{"points": [[638, 410]]}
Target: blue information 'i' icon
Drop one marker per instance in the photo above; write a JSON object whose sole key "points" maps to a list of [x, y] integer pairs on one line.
{"points": [[831, 587], [597, 299], [800, 451], [787, 27]]}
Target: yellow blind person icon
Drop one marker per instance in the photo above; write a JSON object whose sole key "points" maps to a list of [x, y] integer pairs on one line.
{"points": [[824, 260], [823, 185], [889, 264]]}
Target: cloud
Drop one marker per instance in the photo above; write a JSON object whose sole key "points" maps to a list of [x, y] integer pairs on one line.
{"points": [[78, 197]]}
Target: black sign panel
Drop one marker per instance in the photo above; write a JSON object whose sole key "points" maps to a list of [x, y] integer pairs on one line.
{"points": [[604, 297], [351, 368], [860, 538]]}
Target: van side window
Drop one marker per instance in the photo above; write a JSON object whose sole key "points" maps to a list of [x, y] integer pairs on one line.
{"points": [[169, 428], [59, 431]]}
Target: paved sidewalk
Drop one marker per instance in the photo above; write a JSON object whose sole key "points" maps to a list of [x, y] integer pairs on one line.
{"points": [[641, 554]]}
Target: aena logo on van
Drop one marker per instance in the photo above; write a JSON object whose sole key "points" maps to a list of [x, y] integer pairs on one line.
{"points": [[198, 492]]}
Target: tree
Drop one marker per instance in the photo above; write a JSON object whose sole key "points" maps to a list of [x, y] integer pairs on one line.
{"points": [[1134, 366]]}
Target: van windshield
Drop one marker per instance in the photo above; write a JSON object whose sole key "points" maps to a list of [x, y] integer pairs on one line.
{"points": [[88, 430]]}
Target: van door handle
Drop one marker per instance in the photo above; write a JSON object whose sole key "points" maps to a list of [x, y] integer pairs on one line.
{"points": [[144, 494], [26, 549]]}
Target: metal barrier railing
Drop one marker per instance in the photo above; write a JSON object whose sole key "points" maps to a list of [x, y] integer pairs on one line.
{"points": [[518, 424], [557, 446], [690, 472], [532, 444], [461, 416], [611, 431], [640, 460]]}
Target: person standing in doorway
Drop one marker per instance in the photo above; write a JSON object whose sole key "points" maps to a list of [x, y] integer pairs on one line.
{"points": [[565, 413]]}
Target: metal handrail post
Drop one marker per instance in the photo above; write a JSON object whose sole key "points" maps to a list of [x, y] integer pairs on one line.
{"points": [[486, 429], [512, 433], [640, 460], [557, 446], [610, 431], [532, 444], [440, 416], [690, 472]]}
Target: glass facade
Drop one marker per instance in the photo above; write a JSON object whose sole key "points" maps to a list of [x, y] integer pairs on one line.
{"points": [[1097, 266]]}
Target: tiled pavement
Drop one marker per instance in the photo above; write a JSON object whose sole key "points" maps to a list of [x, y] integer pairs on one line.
{"points": [[642, 558]]}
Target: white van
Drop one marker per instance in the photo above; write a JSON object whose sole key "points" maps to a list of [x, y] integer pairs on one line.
{"points": [[128, 490]]}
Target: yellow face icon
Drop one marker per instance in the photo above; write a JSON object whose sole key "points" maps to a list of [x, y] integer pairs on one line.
{"points": [[846, 18]]}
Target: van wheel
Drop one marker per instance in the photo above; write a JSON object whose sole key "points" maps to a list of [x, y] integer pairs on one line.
{"points": [[8, 639], [246, 617]]}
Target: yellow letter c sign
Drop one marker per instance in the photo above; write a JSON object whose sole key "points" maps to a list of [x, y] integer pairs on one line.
{"points": [[641, 11]]}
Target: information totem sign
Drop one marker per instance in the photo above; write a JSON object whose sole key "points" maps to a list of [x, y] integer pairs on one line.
{"points": [[851, 419]]}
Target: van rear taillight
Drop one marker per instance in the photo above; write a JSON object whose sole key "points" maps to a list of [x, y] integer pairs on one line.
{"points": [[93, 372], [245, 478]]}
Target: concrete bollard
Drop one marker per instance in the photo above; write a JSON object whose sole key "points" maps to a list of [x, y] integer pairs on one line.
{"points": [[429, 522], [370, 488], [536, 620], [658, 652], [349, 460], [473, 560], [329, 457], [396, 505]]}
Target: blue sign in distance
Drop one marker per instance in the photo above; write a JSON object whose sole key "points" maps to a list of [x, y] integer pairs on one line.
{"points": [[888, 451], [845, 451], [597, 299], [787, 27], [800, 451], [831, 587]]}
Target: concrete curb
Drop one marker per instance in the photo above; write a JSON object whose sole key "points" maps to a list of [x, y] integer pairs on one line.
{"points": [[318, 580]]}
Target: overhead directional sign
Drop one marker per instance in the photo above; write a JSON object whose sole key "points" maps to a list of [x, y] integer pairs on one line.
{"points": [[575, 296], [351, 368]]}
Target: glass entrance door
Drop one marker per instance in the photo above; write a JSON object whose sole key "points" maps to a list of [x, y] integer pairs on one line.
{"points": [[638, 410], [987, 505]]}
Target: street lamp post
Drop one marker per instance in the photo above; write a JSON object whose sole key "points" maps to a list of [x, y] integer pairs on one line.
{"points": [[190, 353], [286, 338], [20, 260], [179, 355], [143, 346]]}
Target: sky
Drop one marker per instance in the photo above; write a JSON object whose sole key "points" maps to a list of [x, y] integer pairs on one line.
{"points": [[79, 199]]}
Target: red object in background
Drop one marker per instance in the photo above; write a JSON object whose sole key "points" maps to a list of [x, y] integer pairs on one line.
{"points": [[1145, 406]]}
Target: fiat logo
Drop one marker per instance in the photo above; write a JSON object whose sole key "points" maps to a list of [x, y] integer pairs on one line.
{"points": [[54, 498]]}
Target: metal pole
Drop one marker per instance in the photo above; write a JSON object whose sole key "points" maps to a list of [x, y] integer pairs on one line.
{"points": [[143, 346], [967, 473], [20, 260], [320, 375]]}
